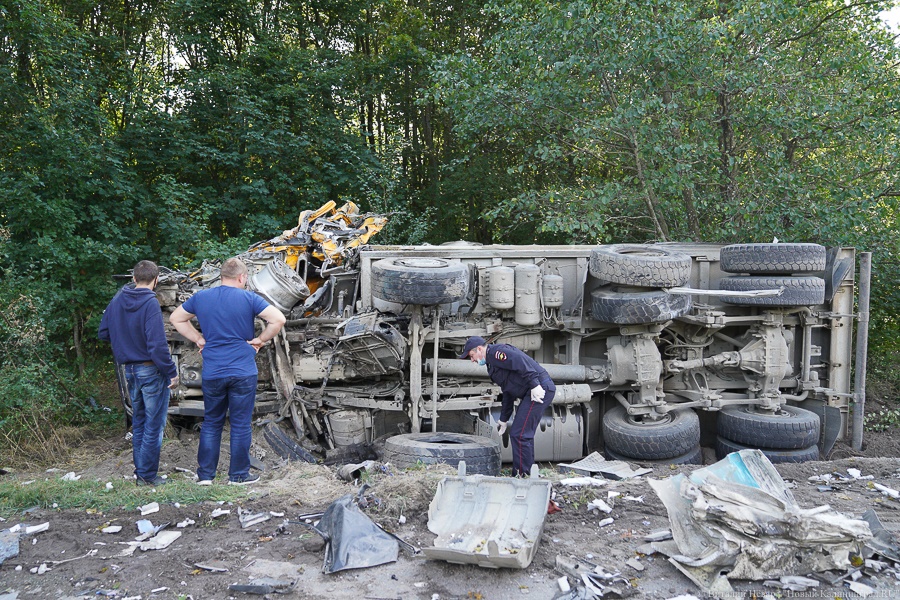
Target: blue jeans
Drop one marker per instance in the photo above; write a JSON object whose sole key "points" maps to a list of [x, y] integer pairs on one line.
{"points": [[149, 393], [234, 397]]}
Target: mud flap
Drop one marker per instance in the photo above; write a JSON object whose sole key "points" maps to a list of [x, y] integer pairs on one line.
{"points": [[832, 423], [353, 540]]}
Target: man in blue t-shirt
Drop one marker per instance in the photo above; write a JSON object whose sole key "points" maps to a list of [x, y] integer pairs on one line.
{"points": [[228, 346], [133, 324]]}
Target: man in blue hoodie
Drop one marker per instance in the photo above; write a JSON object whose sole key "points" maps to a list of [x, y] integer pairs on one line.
{"points": [[133, 323]]}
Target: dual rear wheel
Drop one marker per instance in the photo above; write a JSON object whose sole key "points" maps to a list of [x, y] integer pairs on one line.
{"points": [[788, 434]]}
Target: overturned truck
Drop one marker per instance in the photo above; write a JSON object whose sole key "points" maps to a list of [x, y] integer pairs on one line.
{"points": [[656, 349]]}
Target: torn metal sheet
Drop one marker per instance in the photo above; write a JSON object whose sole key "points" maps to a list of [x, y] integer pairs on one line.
{"points": [[883, 542], [738, 516], [488, 521]]}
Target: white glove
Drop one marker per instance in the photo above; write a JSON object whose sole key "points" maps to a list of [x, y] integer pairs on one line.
{"points": [[501, 427], [537, 394]]}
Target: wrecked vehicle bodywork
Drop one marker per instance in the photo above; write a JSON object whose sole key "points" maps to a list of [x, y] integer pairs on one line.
{"points": [[655, 349]]}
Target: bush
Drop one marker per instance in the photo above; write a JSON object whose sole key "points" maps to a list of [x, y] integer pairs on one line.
{"points": [[40, 394]]}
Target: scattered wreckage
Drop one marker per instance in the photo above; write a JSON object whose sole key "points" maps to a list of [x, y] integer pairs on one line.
{"points": [[655, 349]]}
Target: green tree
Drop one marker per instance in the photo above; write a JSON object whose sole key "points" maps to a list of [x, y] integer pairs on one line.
{"points": [[687, 120], [675, 120]]}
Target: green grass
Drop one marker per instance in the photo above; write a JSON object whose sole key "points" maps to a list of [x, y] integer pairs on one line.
{"points": [[17, 495]]}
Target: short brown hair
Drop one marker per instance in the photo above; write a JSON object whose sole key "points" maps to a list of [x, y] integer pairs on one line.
{"points": [[145, 272], [233, 268]]}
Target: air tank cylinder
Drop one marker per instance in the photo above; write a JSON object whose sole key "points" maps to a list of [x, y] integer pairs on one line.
{"points": [[528, 299], [501, 294], [552, 290]]}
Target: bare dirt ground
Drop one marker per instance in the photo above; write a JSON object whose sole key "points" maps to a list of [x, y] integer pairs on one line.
{"points": [[282, 548]]}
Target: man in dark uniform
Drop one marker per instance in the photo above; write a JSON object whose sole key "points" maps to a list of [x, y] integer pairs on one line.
{"points": [[519, 377]]}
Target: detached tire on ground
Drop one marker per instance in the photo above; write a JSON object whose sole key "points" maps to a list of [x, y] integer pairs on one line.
{"points": [[676, 434], [772, 258], [798, 291], [635, 308], [482, 455], [285, 446], [788, 428], [691, 457], [640, 265], [418, 280], [724, 447]]}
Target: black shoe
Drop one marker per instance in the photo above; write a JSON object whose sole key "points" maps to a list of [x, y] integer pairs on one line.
{"points": [[155, 482], [245, 480]]}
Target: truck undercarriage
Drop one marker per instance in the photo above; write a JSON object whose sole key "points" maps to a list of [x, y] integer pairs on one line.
{"points": [[655, 349]]}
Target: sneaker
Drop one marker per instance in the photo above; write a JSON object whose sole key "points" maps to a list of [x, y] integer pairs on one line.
{"points": [[203, 481], [245, 480], [157, 481]]}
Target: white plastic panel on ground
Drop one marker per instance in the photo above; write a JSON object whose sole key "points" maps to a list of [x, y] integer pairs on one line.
{"points": [[488, 521]]}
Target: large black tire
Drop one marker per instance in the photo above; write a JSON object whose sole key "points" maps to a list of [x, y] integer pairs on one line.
{"points": [[724, 447], [640, 265], [634, 308], [798, 291], [788, 428], [691, 457], [628, 436], [419, 280], [284, 446], [772, 258], [482, 455]]}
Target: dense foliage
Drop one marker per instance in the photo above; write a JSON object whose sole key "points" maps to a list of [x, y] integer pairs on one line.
{"points": [[181, 129]]}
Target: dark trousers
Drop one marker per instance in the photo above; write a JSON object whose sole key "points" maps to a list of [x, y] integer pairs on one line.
{"points": [[521, 432]]}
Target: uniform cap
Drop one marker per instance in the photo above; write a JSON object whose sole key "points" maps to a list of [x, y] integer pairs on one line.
{"points": [[472, 342]]}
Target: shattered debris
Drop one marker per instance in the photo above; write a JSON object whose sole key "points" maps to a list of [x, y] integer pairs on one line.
{"points": [[597, 463], [149, 508], [582, 482], [598, 504], [263, 586], [249, 520], [353, 472], [213, 566], [890, 492], [738, 517], [793, 583]]}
